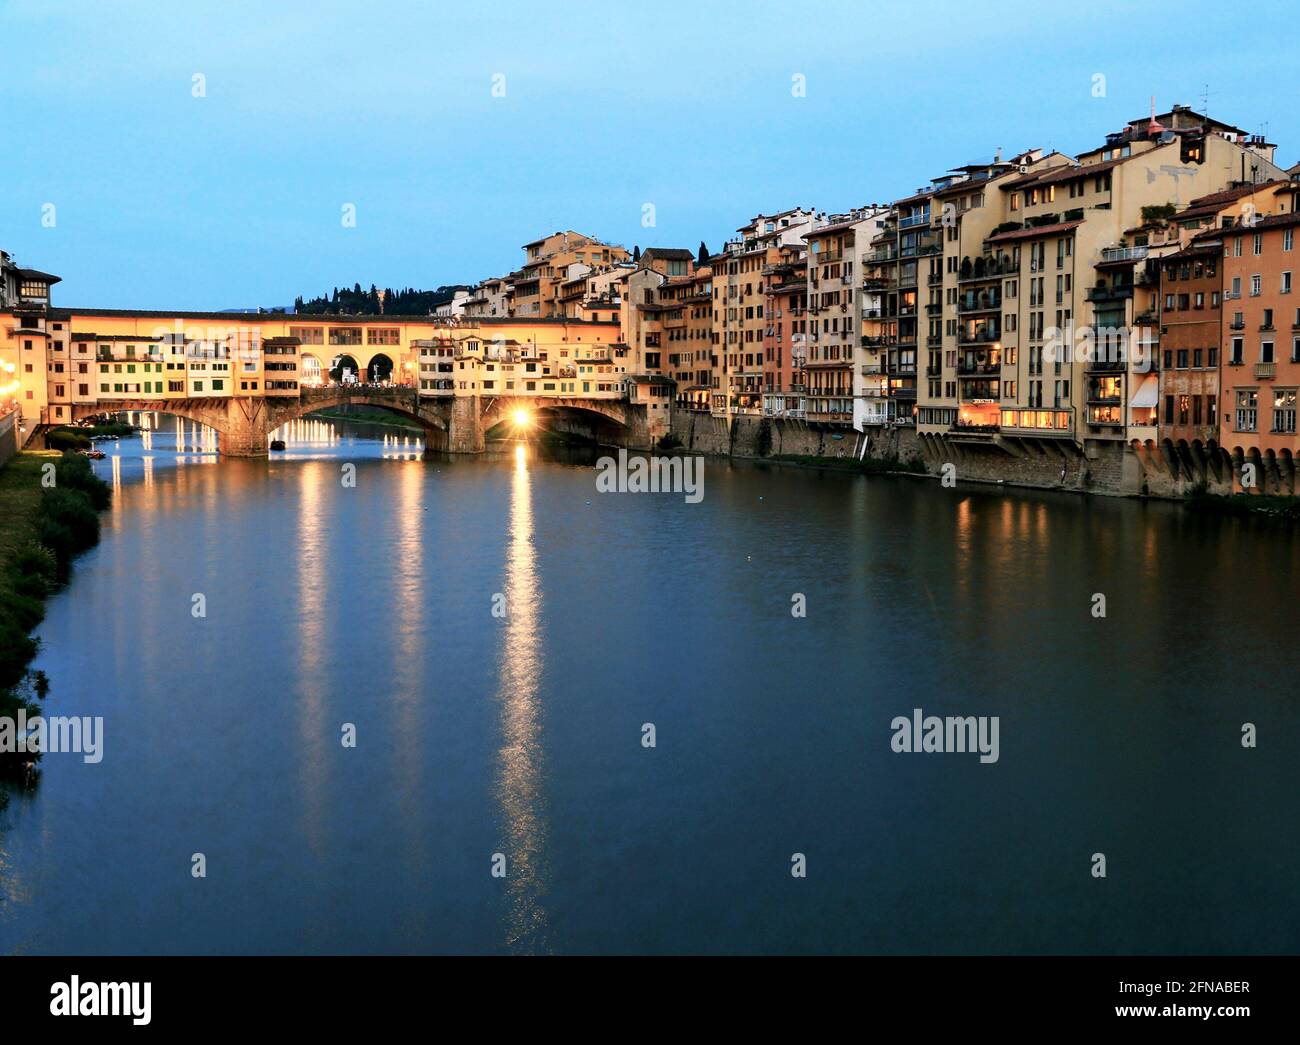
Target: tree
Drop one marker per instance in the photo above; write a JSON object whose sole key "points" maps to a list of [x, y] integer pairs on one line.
{"points": [[636, 253], [703, 258]]}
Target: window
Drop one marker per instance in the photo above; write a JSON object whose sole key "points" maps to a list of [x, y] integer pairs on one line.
{"points": [[1266, 351], [1247, 406], [1284, 411], [1237, 346]]}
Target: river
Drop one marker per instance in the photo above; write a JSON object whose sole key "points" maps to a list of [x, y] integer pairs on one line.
{"points": [[328, 605]]}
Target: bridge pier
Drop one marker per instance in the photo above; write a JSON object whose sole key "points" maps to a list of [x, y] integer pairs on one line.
{"points": [[465, 431], [245, 431]]}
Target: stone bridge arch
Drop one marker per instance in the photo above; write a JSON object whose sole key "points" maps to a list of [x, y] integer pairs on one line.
{"points": [[615, 420]]}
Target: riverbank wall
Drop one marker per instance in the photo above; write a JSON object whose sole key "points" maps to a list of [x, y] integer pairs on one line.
{"points": [[8, 437], [1108, 467]]}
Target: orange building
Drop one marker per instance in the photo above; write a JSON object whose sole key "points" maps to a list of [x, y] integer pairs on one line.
{"points": [[1260, 371], [785, 338]]}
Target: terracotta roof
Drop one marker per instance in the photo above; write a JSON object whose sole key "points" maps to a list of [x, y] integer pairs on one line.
{"points": [[1204, 250], [917, 198], [38, 276], [667, 254], [1036, 231], [1273, 221], [1067, 172]]}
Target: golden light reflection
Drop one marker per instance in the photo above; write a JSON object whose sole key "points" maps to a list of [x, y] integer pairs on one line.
{"points": [[519, 780], [522, 418], [409, 693], [313, 597]]}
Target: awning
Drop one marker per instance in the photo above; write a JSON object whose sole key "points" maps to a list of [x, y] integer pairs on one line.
{"points": [[1148, 393]]}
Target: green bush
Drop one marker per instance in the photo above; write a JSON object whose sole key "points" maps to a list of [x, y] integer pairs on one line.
{"points": [[67, 439], [17, 648], [74, 472], [67, 524], [34, 571]]}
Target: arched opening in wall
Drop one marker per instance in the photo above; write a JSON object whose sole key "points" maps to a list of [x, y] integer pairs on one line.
{"points": [[561, 424], [312, 373], [157, 431], [344, 370], [380, 370], [400, 433]]}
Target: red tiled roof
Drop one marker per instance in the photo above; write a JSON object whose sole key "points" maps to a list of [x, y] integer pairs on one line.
{"points": [[1036, 231], [1067, 172]]}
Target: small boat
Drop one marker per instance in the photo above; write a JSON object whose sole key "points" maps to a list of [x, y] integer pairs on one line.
{"points": [[94, 455], [277, 444]]}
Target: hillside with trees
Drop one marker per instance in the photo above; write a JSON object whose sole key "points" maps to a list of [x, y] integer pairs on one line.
{"points": [[374, 302]]}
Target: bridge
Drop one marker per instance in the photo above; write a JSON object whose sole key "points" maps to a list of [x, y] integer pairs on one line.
{"points": [[451, 424]]}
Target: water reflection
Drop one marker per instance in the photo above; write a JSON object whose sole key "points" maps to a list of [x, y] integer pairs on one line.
{"points": [[519, 785], [313, 577]]}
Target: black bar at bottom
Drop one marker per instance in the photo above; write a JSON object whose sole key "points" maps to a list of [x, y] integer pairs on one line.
{"points": [[336, 994]]}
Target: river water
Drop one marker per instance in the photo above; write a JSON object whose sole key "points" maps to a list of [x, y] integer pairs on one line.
{"points": [[521, 734]]}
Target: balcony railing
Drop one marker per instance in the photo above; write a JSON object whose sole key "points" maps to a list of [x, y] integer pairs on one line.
{"points": [[1123, 253], [980, 336], [1112, 293], [1265, 371], [980, 303]]}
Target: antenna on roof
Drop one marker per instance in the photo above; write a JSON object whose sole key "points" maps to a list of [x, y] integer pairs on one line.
{"points": [[1205, 102]]}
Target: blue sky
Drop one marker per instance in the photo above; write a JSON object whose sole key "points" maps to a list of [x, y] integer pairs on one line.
{"points": [[164, 200]]}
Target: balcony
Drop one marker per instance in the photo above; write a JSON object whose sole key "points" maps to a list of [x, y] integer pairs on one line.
{"points": [[913, 221], [965, 369], [979, 336], [976, 431], [1105, 366], [1037, 421], [1114, 254], [1265, 371], [979, 303], [985, 269], [1112, 293]]}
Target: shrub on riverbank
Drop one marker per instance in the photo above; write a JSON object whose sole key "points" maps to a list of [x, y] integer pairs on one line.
{"points": [[42, 529], [68, 439]]}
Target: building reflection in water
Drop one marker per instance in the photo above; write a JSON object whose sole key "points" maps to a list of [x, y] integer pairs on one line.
{"points": [[519, 782]]}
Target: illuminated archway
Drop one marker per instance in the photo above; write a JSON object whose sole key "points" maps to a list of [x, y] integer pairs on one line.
{"points": [[311, 371], [344, 369]]}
